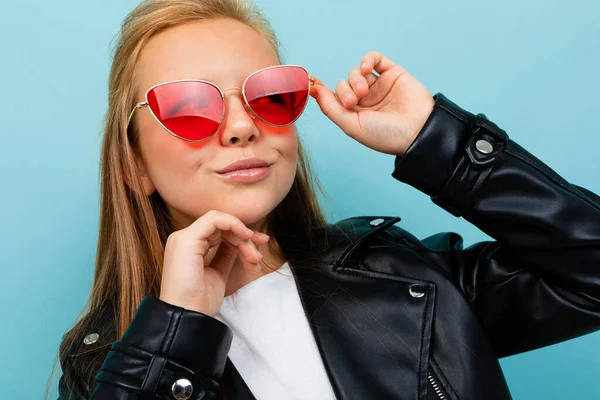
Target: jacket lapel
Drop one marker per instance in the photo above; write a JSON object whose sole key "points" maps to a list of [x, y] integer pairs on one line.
{"points": [[372, 334]]}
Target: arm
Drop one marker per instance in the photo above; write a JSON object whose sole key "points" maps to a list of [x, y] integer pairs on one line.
{"points": [[163, 344], [539, 282]]}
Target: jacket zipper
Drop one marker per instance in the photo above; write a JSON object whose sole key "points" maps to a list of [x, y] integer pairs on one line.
{"points": [[437, 388]]}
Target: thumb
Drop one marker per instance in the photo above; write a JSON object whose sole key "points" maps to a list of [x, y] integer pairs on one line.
{"points": [[331, 106], [224, 259]]}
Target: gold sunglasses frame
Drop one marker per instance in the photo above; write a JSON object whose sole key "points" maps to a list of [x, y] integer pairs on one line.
{"points": [[145, 104]]}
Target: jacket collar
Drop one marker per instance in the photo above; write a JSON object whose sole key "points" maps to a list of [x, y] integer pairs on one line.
{"points": [[335, 243]]}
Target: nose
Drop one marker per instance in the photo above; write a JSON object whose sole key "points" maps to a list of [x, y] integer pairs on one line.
{"points": [[239, 128]]}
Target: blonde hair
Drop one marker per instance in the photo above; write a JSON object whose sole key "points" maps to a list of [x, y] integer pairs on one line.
{"points": [[134, 227]]}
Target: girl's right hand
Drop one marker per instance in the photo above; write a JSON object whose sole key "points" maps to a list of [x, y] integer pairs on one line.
{"points": [[186, 281]]}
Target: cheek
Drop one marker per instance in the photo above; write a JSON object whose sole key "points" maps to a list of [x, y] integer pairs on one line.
{"points": [[286, 143], [168, 159], [291, 148], [160, 153], [288, 149]]}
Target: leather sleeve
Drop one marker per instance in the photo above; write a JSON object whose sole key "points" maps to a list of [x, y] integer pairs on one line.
{"points": [[163, 344], [538, 283]]}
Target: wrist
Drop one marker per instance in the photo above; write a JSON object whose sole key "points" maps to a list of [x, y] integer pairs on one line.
{"points": [[422, 116]]}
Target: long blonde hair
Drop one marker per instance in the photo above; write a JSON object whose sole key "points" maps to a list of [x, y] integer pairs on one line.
{"points": [[134, 227]]}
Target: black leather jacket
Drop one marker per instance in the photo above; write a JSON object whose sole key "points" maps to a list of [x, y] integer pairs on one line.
{"points": [[395, 317]]}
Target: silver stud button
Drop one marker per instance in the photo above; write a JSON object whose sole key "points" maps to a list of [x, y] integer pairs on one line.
{"points": [[483, 146], [182, 389], [377, 222], [91, 338], [416, 291]]}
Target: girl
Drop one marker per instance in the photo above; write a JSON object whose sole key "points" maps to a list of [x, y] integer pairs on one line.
{"points": [[217, 275]]}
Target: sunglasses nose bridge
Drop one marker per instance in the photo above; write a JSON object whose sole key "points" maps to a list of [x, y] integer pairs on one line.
{"points": [[246, 106], [232, 88]]}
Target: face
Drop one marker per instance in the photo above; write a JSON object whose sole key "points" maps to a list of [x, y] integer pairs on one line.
{"points": [[185, 174]]}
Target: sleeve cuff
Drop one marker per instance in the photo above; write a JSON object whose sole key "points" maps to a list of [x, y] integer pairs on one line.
{"points": [[190, 338], [452, 157], [429, 161]]}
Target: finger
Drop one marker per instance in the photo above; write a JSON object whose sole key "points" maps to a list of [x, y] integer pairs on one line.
{"points": [[232, 246], [358, 82], [371, 79], [217, 237], [247, 248], [365, 100], [249, 266], [331, 106], [224, 259], [212, 221], [250, 251], [229, 237], [374, 60], [260, 238], [345, 94]]}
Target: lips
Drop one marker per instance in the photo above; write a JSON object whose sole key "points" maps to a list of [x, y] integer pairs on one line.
{"points": [[247, 163]]}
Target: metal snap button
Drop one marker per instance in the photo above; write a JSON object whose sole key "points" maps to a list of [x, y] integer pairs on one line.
{"points": [[182, 389], [377, 222], [416, 291], [483, 146], [91, 338]]}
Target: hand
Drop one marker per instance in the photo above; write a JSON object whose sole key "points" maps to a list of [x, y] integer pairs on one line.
{"points": [[186, 281], [385, 112]]}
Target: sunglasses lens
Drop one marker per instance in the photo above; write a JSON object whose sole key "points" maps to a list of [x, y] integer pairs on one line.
{"points": [[189, 109], [278, 95]]}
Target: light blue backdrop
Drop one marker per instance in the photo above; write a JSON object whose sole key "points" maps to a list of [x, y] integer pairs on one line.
{"points": [[531, 66]]}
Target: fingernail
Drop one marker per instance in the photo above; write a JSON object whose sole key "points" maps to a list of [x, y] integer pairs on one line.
{"points": [[347, 98], [364, 65]]}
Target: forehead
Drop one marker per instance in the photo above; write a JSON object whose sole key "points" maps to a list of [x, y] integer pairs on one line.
{"points": [[223, 51]]}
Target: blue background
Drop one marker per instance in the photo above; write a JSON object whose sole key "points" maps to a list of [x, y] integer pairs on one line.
{"points": [[531, 66]]}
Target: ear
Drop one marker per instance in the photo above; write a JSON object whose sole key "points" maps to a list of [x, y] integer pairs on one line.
{"points": [[142, 174]]}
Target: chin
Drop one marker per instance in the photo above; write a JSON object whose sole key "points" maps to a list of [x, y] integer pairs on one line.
{"points": [[253, 206], [250, 214], [251, 218]]}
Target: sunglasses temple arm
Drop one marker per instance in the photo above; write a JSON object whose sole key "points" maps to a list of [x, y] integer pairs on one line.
{"points": [[138, 105]]}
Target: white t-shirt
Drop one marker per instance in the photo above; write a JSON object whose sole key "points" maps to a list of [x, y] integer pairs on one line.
{"points": [[273, 347]]}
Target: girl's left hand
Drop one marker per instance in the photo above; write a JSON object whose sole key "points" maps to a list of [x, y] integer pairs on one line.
{"points": [[385, 112]]}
